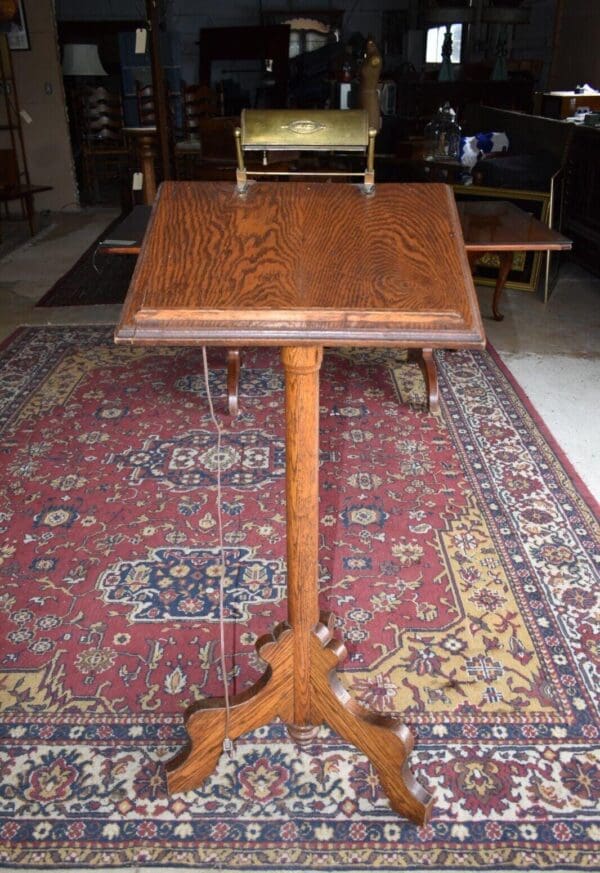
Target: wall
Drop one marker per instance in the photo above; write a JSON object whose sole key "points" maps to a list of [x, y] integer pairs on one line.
{"points": [[576, 56], [528, 42], [47, 141], [531, 41], [187, 17], [98, 10]]}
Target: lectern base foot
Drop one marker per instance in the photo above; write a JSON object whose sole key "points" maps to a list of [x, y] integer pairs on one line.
{"points": [[385, 741], [208, 722]]}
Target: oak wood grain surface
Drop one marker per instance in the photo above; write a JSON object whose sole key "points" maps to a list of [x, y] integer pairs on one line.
{"points": [[303, 262]]}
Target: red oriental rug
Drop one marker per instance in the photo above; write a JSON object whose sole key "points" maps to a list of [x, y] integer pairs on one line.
{"points": [[457, 552]]}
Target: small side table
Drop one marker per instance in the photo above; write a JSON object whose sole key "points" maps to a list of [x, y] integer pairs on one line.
{"points": [[502, 228]]}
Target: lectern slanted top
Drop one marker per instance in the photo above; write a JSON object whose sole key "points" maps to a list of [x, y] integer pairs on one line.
{"points": [[303, 263]]}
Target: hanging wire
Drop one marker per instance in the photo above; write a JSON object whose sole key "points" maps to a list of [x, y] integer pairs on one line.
{"points": [[227, 742], [96, 250]]}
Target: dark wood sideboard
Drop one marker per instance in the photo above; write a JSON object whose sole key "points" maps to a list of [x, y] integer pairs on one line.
{"points": [[581, 207]]}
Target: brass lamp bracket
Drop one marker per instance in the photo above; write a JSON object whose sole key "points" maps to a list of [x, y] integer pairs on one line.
{"points": [[324, 130]]}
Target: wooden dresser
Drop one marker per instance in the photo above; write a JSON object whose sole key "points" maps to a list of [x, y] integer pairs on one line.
{"points": [[581, 208]]}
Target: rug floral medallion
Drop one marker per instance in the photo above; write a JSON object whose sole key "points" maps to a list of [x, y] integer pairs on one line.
{"points": [[457, 552]]}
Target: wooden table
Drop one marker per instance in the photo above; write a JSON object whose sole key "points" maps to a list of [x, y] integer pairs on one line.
{"points": [[302, 266], [502, 228], [564, 104], [126, 237]]}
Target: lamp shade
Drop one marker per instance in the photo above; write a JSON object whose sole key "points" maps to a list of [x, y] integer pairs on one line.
{"points": [[81, 59]]}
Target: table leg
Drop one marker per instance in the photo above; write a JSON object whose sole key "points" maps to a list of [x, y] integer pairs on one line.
{"points": [[547, 277], [27, 202], [506, 259], [302, 367], [427, 362], [233, 381], [146, 152], [299, 684]]}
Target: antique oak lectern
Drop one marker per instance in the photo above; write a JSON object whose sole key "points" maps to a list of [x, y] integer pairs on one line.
{"points": [[302, 265]]}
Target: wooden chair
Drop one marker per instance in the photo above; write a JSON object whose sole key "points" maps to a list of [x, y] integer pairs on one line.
{"points": [[144, 95], [206, 151], [198, 101], [146, 107], [147, 117], [15, 186], [210, 154], [104, 151]]}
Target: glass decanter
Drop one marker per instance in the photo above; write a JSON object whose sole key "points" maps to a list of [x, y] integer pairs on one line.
{"points": [[442, 136]]}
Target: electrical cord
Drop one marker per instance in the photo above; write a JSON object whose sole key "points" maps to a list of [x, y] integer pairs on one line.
{"points": [[227, 742]]}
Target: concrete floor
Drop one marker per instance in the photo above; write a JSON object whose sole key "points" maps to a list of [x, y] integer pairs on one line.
{"points": [[553, 350]]}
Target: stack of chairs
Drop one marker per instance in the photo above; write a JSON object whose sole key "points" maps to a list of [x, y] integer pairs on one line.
{"points": [[105, 155], [206, 151]]}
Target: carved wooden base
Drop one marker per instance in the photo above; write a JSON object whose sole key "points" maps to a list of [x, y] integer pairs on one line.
{"points": [[299, 685], [385, 741]]}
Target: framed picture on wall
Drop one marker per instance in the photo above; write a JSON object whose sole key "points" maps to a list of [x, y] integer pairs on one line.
{"points": [[17, 34]]}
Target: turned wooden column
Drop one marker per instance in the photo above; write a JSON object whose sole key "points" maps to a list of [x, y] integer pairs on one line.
{"points": [[146, 152], [302, 365], [153, 15]]}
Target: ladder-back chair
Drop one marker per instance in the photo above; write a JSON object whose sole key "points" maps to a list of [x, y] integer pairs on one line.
{"points": [[104, 152]]}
